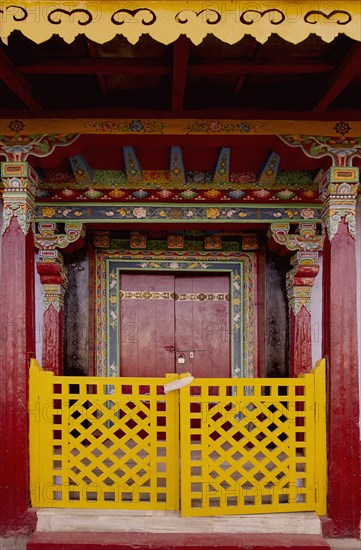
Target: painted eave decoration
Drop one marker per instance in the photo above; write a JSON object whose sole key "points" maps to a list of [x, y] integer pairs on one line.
{"points": [[166, 21]]}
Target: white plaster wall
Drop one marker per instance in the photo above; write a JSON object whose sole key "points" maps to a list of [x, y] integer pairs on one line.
{"points": [[358, 264], [316, 317]]}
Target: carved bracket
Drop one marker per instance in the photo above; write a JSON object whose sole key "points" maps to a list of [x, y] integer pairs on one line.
{"points": [[341, 149], [17, 148], [48, 237], [306, 244], [305, 239]]}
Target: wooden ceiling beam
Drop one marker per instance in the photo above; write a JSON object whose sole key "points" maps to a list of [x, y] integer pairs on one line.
{"points": [[93, 50], [180, 66], [346, 72], [96, 66], [231, 113], [251, 51], [137, 67], [17, 83]]}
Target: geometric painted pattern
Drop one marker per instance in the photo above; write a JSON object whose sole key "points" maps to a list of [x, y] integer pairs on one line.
{"points": [[166, 295], [241, 267]]}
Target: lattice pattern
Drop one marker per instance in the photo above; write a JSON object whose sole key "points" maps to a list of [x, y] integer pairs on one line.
{"points": [[247, 446], [113, 444]]}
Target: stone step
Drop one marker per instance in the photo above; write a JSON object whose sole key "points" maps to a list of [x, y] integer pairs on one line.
{"points": [[86, 520], [173, 541]]}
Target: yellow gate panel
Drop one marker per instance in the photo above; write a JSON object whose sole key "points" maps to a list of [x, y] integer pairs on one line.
{"points": [[248, 446], [103, 442]]}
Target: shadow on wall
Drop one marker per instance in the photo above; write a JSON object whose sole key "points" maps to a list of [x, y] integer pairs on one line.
{"points": [[76, 316], [276, 316]]}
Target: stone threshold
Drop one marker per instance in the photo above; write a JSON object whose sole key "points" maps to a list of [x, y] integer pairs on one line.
{"points": [[120, 521]]}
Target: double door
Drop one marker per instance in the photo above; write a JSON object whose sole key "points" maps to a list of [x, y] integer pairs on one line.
{"points": [[175, 323]]}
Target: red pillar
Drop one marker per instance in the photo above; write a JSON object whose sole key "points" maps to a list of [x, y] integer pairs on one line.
{"points": [[300, 281], [17, 346], [306, 244], [340, 348], [53, 279]]}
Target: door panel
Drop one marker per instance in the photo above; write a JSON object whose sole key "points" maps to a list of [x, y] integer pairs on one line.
{"points": [[202, 325], [165, 316], [147, 324]]}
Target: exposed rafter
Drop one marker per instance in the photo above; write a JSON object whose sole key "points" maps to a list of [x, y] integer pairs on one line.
{"points": [[180, 66], [94, 54], [17, 83], [252, 48], [180, 60], [348, 69]]}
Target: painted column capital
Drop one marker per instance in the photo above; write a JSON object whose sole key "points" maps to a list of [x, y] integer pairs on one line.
{"points": [[300, 280], [338, 189], [305, 238], [49, 238], [53, 277], [306, 245], [19, 181]]}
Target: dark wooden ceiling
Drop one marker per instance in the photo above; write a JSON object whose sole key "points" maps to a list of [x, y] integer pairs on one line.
{"points": [[311, 80]]}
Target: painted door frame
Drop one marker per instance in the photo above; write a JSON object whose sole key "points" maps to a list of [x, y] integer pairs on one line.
{"points": [[241, 267]]}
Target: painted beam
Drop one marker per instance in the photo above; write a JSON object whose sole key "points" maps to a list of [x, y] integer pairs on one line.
{"points": [[181, 47]]}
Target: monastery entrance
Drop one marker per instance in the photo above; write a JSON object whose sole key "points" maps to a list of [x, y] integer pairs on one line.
{"points": [[175, 323]]}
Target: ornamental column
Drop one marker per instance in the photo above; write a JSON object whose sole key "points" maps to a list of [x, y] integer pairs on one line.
{"points": [[54, 279], [17, 344], [339, 191], [17, 325], [305, 244]]}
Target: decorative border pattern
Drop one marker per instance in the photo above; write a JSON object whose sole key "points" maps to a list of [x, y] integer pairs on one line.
{"points": [[174, 296], [165, 21], [26, 132], [175, 213], [241, 267]]}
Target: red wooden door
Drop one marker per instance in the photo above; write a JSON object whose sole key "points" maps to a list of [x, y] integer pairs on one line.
{"points": [[174, 323]]}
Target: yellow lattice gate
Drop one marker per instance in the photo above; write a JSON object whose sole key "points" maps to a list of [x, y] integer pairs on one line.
{"points": [[244, 446], [103, 442]]}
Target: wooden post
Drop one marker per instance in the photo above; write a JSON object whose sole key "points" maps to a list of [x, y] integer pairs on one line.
{"points": [[299, 284], [53, 278], [339, 190], [306, 244], [17, 345]]}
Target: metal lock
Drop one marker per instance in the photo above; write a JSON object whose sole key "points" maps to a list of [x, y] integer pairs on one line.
{"points": [[181, 359]]}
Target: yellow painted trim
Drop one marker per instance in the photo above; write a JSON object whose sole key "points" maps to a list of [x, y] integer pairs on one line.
{"points": [[321, 482], [210, 127], [165, 21]]}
